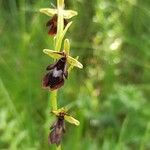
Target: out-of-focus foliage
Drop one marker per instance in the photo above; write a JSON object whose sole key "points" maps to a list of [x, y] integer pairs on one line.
{"points": [[110, 96]]}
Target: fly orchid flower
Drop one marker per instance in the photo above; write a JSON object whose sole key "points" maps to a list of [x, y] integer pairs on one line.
{"points": [[53, 13], [58, 72], [56, 75], [58, 128]]}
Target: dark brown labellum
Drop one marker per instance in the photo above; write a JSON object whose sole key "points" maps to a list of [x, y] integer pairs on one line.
{"points": [[57, 73], [52, 24], [57, 131]]}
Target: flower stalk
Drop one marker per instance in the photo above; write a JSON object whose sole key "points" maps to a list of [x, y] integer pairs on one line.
{"points": [[53, 99], [60, 24], [57, 73], [57, 47]]}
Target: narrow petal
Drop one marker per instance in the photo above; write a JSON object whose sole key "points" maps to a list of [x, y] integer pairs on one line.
{"points": [[53, 54], [67, 14], [71, 120], [48, 11], [74, 62]]}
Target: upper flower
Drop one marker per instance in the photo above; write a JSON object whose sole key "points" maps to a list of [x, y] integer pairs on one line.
{"points": [[54, 13]]}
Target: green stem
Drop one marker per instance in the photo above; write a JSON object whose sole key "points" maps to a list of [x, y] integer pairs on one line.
{"points": [[57, 47], [60, 24], [60, 4], [53, 98], [58, 148]]}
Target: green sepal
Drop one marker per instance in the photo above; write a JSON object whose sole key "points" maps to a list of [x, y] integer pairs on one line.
{"points": [[53, 54], [48, 11], [69, 14], [71, 120], [67, 117], [71, 67], [74, 62]]}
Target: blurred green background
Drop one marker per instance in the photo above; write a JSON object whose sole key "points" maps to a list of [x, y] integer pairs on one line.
{"points": [[110, 96]]}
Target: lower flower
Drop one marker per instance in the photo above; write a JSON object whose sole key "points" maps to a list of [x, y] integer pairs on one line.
{"points": [[58, 128], [57, 131]]}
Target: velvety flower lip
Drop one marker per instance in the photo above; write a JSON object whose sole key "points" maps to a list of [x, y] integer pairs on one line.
{"points": [[52, 25], [57, 73], [58, 128], [57, 131]]}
